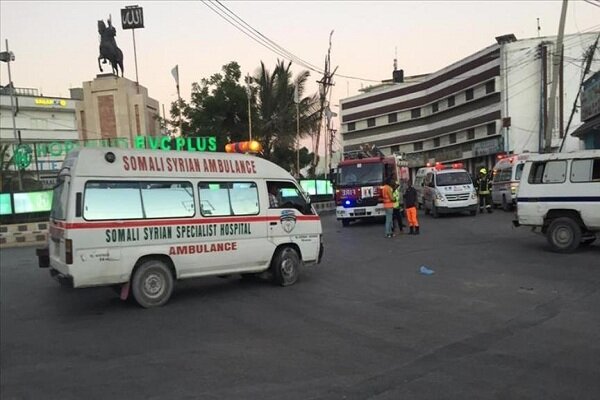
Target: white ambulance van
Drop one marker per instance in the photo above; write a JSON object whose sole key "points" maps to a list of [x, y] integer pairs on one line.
{"points": [[449, 189], [505, 183], [139, 220], [559, 195], [418, 184]]}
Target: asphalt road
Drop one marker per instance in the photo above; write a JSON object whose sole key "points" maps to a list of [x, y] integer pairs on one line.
{"points": [[501, 318]]}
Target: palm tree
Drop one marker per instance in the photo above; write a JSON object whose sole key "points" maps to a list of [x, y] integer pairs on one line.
{"points": [[276, 125]]}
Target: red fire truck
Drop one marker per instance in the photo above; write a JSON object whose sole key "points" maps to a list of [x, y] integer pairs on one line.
{"points": [[359, 179]]}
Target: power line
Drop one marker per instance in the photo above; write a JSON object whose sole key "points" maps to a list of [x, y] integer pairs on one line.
{"points": [[592, 3], [290, 54], [263, 40]]}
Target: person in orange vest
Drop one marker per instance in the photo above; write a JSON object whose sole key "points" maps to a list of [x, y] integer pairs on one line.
{"points": [[387, 195]]}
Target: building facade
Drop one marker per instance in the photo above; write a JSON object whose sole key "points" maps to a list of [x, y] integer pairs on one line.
{"points": [[589, 131], [494, 101], [42, 125]]}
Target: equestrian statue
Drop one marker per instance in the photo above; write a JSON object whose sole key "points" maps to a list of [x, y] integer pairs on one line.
{"points": [[108, 47]]}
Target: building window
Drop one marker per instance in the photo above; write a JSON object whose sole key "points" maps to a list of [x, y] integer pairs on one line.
{"points": [[418, 146], [470, 133], [436, 142], [451, 101], [435, 107], [351, 126], [490, 87], [415, 113], [392, 118], [469, 94], [395, 148], [452, 138], [371, 122], [491, 128]]}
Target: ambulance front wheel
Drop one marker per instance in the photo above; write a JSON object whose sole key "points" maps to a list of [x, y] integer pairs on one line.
{"points": [[286, 266], [152, 284], [345, 222]]}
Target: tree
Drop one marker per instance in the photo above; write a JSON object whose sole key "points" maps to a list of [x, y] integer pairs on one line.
{"points": [[277, 113], [218, 107]]}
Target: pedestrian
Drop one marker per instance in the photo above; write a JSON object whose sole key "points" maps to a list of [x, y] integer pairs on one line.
{"points": [[410, 207], [483, 184], [388, 204], [397, 217]]}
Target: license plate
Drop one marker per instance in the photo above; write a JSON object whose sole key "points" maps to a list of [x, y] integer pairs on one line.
{"points": [[360, 211]]}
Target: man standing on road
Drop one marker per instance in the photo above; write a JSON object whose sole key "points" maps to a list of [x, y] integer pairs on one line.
{"points": [[388, 204], [410, 206], [483, 185], [397, 209]]}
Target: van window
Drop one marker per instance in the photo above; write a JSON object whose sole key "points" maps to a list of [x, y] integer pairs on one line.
{"points": [[585, 170], [60, 196], [137, 200], [289, 196], [548, 172], [168, 199], [453, 178], [221, 199], [519, 171], [112, 200], [502, 175]]}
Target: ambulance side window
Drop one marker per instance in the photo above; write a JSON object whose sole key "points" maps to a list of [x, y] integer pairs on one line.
{"points": [[220, 199], [289, 196]]}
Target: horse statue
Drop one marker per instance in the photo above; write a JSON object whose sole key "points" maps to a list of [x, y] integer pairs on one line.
{"points": [[108, 47]]}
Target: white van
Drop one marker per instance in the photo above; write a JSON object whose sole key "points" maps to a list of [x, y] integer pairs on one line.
{"points": [[507, 174], [449, 190], [418, 183], [560, 195], [140, 219]]}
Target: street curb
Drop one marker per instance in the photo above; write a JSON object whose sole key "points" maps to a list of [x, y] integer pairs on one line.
{"points": [[17, 235]]}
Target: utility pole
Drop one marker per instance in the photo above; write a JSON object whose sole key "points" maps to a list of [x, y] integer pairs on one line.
{"points": [[297, 142], [556, 66], [8, 56], [543, 96], [324, 84], [249, 91], [589, 56]]}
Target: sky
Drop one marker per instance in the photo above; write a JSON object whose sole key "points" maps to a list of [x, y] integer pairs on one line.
{"points": [[56, 43]]}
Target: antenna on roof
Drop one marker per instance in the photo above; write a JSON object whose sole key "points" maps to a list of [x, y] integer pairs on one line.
{"points": [[396, 58], [538, 27]]}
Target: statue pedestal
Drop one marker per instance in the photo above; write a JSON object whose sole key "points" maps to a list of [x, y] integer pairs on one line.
{"points": [[116, 108]]}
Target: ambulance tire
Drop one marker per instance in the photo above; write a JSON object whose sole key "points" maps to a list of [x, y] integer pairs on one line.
{"points": [[286, 266], [345, 223], [152, 284], [564, 235], [434, 212]]}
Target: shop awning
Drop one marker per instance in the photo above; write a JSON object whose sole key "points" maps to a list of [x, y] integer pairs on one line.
{"points": [[588, 127]]}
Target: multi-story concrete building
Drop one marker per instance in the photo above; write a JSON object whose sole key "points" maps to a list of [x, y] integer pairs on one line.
{"points": [[42, 123], [493, 101]]}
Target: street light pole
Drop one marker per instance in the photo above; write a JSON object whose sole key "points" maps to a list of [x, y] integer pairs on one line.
{"points": [[10, 57]]}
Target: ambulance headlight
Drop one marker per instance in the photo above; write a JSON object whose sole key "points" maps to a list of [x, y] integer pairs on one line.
{"points": [[110, 157]]}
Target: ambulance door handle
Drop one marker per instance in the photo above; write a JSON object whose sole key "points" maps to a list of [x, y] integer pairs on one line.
{"points": [[272, 223]]}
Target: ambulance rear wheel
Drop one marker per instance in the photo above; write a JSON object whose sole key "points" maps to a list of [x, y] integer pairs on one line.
{"points": [[564, 235], [152, 284], [286, 266]]}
